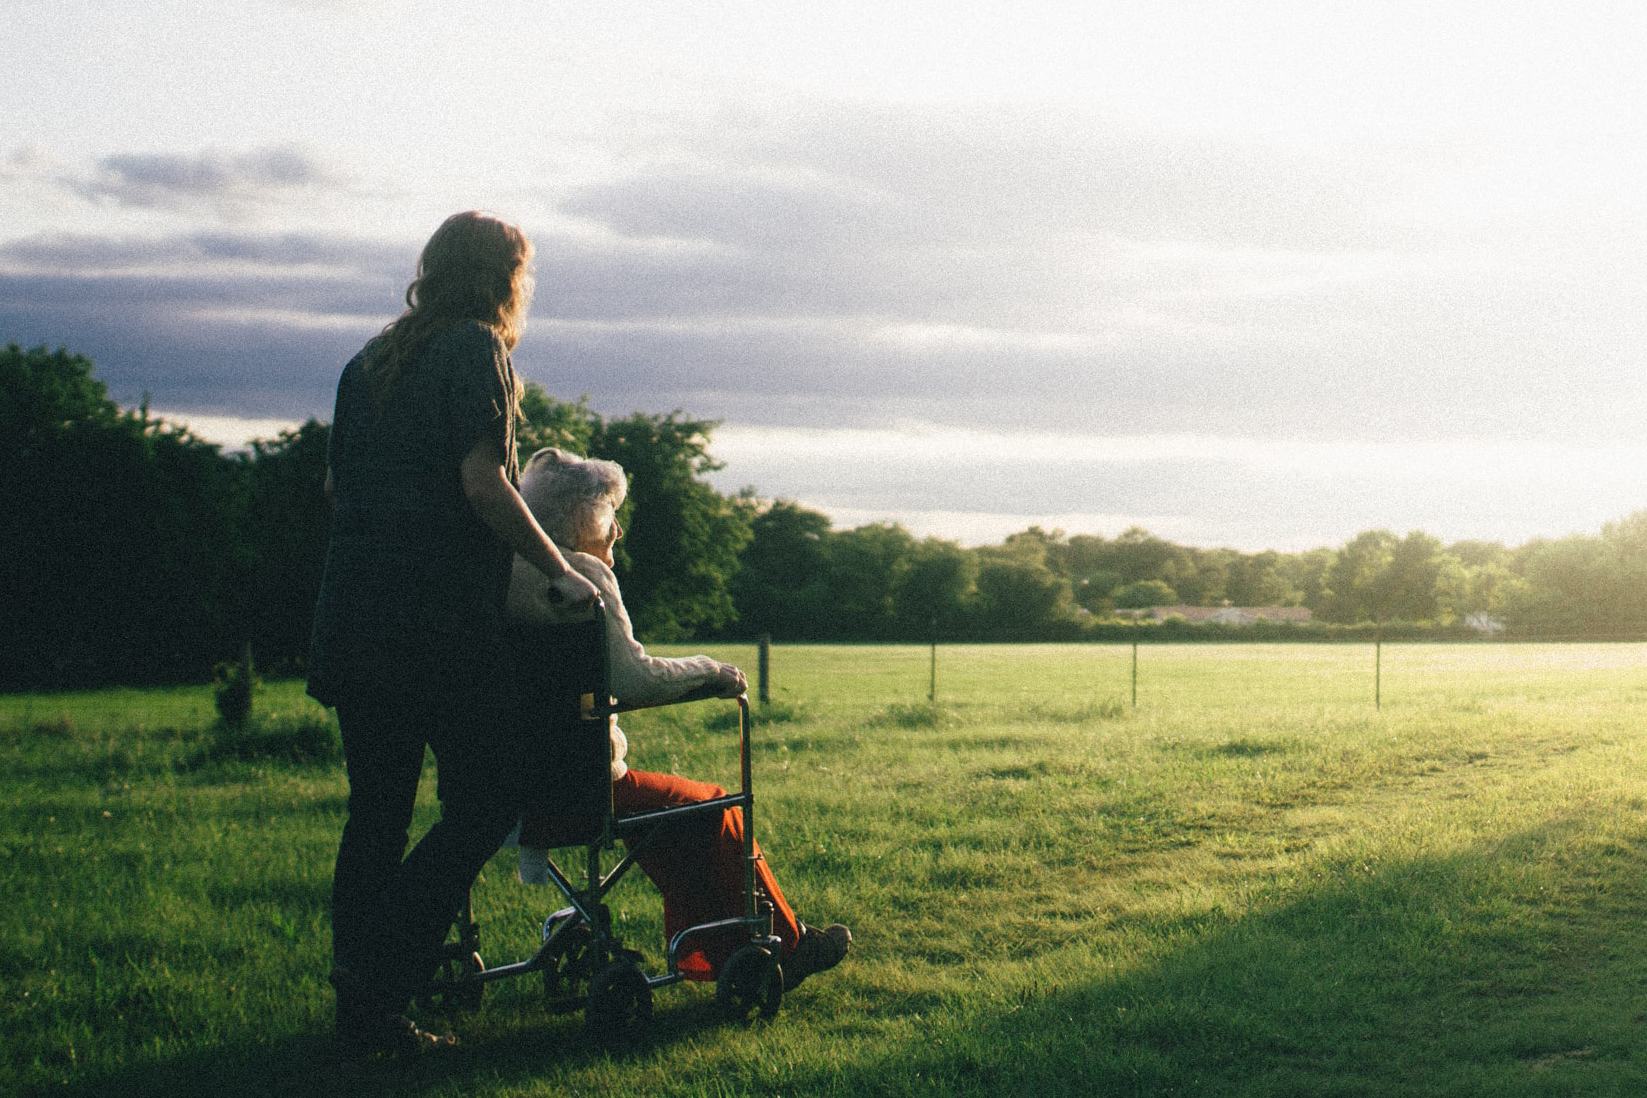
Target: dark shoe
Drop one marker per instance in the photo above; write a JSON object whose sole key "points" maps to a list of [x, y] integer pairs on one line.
{"points": [[370, 1024], [818, 951], [392, 1035]]}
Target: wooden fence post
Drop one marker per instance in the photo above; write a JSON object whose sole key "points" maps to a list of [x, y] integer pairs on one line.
{"points": [[1135, 674], [932, 675], [1378, 668], [764, 669]]}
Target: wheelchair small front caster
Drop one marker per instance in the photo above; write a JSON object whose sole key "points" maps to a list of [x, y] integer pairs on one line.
{"points": [[620, 1001], [750, 985]]}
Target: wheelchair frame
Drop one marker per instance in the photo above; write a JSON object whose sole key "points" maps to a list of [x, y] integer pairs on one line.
{"points": [[583, 962]]}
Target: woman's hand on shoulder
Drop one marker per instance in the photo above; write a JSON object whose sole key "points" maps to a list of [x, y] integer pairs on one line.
{"points": [[731, 681], [571, 591]]}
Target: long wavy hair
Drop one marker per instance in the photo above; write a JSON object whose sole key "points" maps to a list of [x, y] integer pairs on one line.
{"points": [[475, 267]]}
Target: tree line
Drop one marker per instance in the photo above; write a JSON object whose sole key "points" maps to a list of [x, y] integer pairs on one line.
{"points": [[135, 552]]}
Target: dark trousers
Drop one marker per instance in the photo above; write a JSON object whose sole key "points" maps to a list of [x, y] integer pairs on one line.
{"points": [[391, 913]]}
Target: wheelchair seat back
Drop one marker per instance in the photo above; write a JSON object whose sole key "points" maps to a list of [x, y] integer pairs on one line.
{"points": [[567, 709]]}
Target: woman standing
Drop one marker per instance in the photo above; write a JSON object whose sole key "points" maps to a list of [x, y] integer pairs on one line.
{"points": [[408, 636]]}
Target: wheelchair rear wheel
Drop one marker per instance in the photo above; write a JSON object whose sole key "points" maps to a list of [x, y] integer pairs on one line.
{"points": [[454, 988]]}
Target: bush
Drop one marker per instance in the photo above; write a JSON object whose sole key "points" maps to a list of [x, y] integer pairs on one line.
{"points": [[237, 683]]}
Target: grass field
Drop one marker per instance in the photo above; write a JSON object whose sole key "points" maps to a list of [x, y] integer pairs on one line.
{"points": [[1253, 883]]}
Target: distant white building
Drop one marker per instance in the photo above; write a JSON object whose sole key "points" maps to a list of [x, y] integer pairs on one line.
{"points": [[1484, 623], [1223, 615]]}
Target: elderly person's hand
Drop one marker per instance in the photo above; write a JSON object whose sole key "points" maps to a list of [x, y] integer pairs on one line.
{"points": [[730, 682]]}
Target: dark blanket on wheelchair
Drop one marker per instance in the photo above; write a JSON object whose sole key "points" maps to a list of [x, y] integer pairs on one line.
{"points": [[569, 768]]}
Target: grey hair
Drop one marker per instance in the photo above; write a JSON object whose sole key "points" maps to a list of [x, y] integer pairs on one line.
{"points": [[564, 492]]}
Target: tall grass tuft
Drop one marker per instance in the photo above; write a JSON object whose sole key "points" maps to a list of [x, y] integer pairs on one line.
{"points": [[300, 740], [916, 715], [722, 718]]}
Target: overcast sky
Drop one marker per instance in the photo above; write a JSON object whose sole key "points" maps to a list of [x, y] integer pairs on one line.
{"points": [[1247, 274]]}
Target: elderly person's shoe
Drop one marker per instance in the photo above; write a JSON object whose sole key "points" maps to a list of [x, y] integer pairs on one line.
{"points": [[818, 951]]}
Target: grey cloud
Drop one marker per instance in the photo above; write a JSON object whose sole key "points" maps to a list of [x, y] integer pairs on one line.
{"points": [[1426, 369], [976, 217], [149, 338], [755, 273], [88, 254], [663, 280], [170, 181], [1291, 307], [209, 322], [835, 273], [985, 176], [753, 209], [200, 365]]}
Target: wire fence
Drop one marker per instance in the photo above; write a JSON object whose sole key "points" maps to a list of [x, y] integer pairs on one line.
{"points": [[1141, 675]]}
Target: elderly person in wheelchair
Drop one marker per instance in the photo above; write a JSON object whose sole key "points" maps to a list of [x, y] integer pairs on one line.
{"points": [[699, 868]]}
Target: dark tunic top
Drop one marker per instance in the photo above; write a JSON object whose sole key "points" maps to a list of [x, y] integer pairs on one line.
{"points": [[411, 602]]}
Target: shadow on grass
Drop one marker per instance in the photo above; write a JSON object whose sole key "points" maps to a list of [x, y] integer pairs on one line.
{"points": [[510, 1045], [1512, 971], [1516, 971]]}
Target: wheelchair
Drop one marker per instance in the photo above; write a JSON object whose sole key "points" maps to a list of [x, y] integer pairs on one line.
{"points": [[581, 960]]}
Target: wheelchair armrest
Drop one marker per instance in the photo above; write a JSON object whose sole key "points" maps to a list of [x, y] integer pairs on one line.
{"points": [[702, 693]]}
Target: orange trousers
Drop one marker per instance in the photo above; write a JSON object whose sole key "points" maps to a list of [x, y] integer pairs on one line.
{"points": [[697, 866]]}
